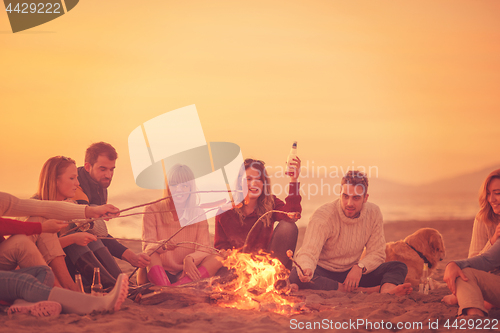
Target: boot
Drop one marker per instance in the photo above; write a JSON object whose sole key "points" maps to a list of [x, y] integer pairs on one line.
{"points": [[85, 265], [39, 309], [74, 302], [157, 276], [107, 260], [187, 279]]}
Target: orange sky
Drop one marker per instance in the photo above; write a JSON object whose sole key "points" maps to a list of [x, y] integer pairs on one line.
{"points": [[409, 87]]}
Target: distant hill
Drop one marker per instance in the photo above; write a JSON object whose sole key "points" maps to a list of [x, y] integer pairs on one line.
{"points": [[466, 183]]}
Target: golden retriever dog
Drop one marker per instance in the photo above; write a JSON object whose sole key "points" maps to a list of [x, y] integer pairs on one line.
{"points": [[424, 245]]}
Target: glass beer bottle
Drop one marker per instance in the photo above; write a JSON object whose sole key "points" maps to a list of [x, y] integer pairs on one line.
{"points": [[96, 284], [291, 156]]}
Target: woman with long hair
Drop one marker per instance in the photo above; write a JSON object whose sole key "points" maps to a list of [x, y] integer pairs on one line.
{"points": [[237, 227], [486, 229], [484, 255], [58, 181], [187, 262]]}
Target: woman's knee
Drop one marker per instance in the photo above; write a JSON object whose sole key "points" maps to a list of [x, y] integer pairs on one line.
{"points": [[287, 228]]}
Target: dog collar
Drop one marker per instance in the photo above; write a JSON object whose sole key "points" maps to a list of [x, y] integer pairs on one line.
{"points": [[421, 255]]}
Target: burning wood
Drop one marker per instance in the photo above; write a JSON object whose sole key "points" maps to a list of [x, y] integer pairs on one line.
{"points": [[255, 282], [261, 283]]}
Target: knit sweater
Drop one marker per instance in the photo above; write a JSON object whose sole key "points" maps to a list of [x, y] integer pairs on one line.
{"points": [[481, 235], [12, 206], [336, 242], [160, 226]]}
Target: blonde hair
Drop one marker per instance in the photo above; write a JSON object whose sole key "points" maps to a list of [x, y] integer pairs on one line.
{"points": [[265, 202], [486, 213], [180, 174], [51, 170]]}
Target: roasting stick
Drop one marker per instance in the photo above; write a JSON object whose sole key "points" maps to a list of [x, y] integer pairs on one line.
{"points": [[292, 215], [175, 233], [82, 222], [177, 245], [170, 196], [289, 254]]}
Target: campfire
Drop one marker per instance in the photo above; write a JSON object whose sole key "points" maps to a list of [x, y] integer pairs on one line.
{"points": [[258, 282], [255, 282]]}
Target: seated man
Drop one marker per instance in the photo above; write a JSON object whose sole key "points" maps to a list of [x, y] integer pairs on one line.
{"points": [[335, 238], [94, 178], [473, 283]]}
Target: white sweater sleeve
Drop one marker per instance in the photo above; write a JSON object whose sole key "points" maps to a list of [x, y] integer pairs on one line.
{"points": [[375, 247], [15, 207], [317, 232], [480, 241]]}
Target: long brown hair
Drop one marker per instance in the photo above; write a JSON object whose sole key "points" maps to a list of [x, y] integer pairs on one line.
{"points": [[486, 213], [265, 202], [51, 170]]}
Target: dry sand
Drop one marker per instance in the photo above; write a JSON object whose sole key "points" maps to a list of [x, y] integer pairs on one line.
{"points": [[327, 307]]}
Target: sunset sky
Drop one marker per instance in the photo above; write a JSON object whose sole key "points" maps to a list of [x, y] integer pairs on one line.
{"points": [[411, 87]]}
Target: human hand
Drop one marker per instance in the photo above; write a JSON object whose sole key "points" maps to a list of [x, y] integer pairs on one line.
{"points": [[451, 273], [224, 253], [351, 281], [294, 169], [107, 210], [166, 246], [495, 235], [190, 269], [141, 260], [307, 276], [83, 238], [53, 226]]}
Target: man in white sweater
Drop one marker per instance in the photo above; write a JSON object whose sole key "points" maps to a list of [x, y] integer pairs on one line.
{"points": [[335, 238]]}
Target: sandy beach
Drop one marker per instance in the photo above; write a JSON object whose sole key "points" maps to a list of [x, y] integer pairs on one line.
{"points": [[327, 309]]}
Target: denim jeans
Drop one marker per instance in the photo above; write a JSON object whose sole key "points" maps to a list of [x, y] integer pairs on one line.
{"points": [[33, 284], [388, 272], [75, 251], [481, 285], [284, 238]]}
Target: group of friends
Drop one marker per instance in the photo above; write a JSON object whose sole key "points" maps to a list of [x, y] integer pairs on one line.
{"points": [[330, 257]]}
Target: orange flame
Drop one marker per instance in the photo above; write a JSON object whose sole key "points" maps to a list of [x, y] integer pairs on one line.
{"points": [[260, 284]]}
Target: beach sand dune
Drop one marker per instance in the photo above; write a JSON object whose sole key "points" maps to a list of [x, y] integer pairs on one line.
{"points": [[329, 310]]}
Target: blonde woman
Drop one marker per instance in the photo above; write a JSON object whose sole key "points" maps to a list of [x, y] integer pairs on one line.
{"points": [[58, 182], [177, 264], [484, 255], [486, 229]]}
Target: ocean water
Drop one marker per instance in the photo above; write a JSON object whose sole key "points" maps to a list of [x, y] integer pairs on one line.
{"points": [[419, 207]]}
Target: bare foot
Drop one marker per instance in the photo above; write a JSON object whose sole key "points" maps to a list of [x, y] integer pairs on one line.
{"points": [[294, 287], [450, 299], [400, 290]]}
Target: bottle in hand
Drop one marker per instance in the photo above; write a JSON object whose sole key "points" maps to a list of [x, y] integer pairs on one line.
{"points": [[291, 156], [96, 285]]}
